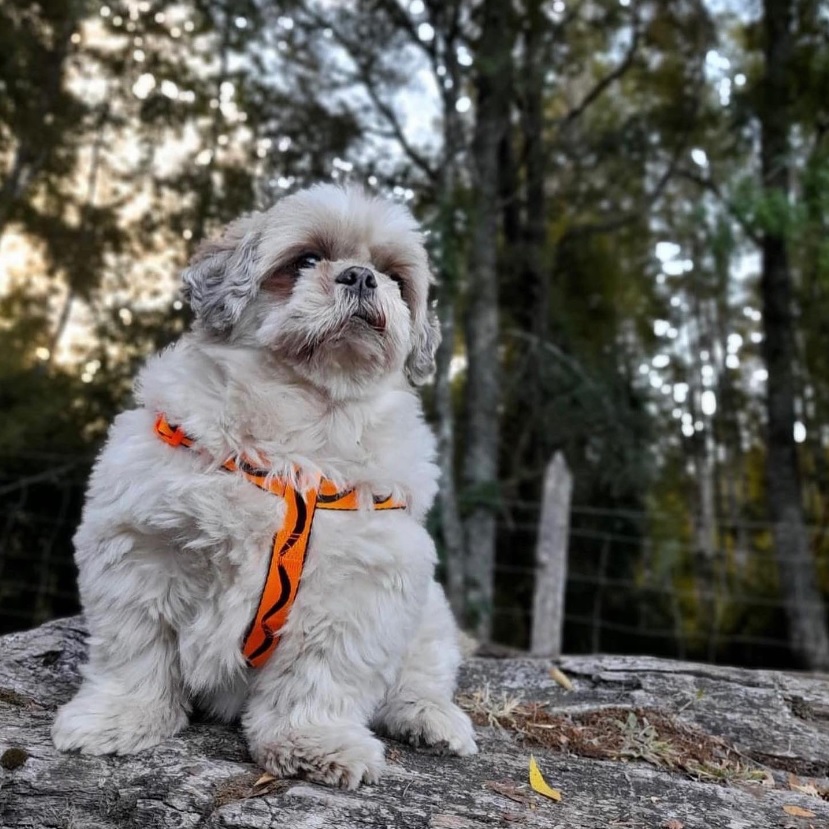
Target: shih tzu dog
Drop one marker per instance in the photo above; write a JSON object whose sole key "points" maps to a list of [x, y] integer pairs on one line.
{"points": [[253, 541]]}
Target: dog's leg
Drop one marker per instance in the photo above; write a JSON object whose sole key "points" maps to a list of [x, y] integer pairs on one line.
{"points": [[343, 645], [131, 697], [418, 709], [225, 703], [309, 719]]}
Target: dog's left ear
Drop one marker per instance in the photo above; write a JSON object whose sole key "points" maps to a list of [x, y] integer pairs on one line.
{"points": [[420, 365], [221, 278]]}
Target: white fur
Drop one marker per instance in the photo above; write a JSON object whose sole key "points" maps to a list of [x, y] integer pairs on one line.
{"points": [[172, 550]]}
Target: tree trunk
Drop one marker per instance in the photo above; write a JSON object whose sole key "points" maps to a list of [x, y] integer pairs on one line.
{"points": [[204, 776], [796, 566], [536, 276], [12, 187], [483, 390], [91, 187], [527, 248], [450, 518]]}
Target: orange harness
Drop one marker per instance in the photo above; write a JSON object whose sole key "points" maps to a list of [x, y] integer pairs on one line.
{"points": [[290, 542]]}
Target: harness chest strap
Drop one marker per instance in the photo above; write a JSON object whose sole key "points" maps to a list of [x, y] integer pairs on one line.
{"points": [[290, 541]]}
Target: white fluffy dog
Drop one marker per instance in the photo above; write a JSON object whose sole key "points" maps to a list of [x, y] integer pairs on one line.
{"points": [[312, 325]]}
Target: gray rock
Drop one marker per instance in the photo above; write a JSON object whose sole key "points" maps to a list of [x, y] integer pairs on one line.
{"points": [[205, 778]]}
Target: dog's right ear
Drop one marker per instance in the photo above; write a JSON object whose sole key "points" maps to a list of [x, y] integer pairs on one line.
{"points": [[220, 279]]}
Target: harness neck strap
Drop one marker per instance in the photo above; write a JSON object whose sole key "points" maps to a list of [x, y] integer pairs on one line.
{"points": [[290, 541]]}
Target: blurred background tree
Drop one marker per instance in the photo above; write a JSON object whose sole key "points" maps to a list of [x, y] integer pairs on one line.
{"points": [[626, 208]]}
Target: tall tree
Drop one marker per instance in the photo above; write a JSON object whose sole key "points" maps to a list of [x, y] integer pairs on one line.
{"points": [[798, 579], [493, 80]]}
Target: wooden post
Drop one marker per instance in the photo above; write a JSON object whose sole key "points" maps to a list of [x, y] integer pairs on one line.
{"points": [[551, 560]]}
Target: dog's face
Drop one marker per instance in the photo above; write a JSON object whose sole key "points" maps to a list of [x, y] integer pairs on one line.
{"points": [[332, 281]]}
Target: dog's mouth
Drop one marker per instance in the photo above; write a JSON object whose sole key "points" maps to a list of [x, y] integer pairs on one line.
{"points": [[370, 317], [359, 325]]}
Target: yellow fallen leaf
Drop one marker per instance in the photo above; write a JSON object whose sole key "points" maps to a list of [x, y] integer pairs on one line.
{"points": [[561, 678], [796, 811], [265, 778], [539, 784]]}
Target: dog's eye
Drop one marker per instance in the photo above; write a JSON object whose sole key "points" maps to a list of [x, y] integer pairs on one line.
{"points": [[307, 260], [395, 277]]}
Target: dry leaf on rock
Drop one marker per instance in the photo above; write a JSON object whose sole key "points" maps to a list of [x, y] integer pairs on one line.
{"points": [[561, 678], [539, 784], [796, 811], [768, 780], [806, 788], [265, 778], [509, 790]]}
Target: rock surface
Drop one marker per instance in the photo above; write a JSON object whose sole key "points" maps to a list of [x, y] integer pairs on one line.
{"points": [[777, 724]]}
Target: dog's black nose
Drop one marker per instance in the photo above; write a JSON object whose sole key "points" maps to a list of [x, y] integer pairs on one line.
{"points": [[360, 280]]}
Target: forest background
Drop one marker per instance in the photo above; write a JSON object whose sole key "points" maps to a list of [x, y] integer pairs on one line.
{"points": [[626, 204]]}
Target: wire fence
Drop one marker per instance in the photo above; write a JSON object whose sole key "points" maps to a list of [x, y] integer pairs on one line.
{"points": [[41, 496], [638, 581], [661, 583]]}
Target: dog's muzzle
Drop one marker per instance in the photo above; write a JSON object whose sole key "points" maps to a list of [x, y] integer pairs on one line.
{"points": [[358, 281]]}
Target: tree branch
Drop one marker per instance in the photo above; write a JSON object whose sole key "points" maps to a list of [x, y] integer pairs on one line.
{"points": [[670, 171], [386, 110], [603, 83], [398, 15], [710, 186], [365, 78], [609, 225]]}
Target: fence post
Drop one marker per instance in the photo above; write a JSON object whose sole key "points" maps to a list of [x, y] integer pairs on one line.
{"points": [[551, 560]]}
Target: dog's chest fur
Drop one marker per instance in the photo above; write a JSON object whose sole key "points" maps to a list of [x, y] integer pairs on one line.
{"points": [[204, 533]]}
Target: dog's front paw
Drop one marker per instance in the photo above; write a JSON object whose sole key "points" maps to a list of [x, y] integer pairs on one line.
{"points": [[95, 723], [336, 755], [441, 726]]}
